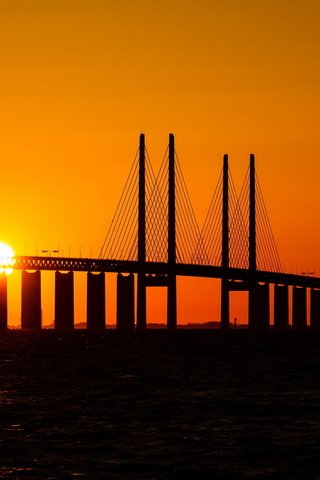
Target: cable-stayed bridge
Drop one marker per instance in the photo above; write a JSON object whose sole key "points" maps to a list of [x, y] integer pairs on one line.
{"points": [[155, 236]]}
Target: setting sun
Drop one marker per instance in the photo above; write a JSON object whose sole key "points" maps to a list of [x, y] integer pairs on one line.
{"points": [[6, 258]]}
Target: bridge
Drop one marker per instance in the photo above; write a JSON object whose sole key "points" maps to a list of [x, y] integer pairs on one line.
{"points": [[154, 236]]}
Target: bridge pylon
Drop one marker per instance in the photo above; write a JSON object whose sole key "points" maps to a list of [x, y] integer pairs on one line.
{"points": [[225, 308], [169, 280], [258, 305], [172, 281], [141, 283], [258, 297]]}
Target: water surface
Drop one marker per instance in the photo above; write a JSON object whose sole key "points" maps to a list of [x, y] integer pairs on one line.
{"points": [[186, 405]]}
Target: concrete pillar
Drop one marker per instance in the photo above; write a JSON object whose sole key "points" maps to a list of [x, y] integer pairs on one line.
{"points": [[281, 307], [172, 302], [299, 308], [96, 302], [315, 309], [141, 302], [259, 306], [125, 302], [3, 302], [31, 300], [264, 302], [252, 309], [63, 302]]}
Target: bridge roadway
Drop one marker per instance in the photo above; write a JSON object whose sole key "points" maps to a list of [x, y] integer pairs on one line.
{"points": [[161, 268]]}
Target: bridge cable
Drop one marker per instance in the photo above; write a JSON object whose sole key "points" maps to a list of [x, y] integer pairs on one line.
{"points": [[270, 243], [116, 226], [190, 229], [211, 230]]}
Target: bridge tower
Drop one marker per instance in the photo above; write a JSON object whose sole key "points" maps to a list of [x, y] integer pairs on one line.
{"points": [[143, 281], [258, 315], [252, 244], [252, 216], [141, 284], [225, 308], [172, 281]]}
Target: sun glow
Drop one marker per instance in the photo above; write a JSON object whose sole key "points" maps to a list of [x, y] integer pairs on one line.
{"points": [[6, 259]]}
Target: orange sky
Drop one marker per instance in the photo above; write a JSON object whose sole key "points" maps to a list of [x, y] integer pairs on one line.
{"points": [[81, 79]]}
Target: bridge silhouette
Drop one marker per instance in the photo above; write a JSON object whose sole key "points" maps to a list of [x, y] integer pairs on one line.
{"points": [[155, 235]]}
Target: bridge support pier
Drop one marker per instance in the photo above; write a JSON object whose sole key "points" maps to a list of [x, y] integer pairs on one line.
{"points": [[31, 300], [64, 301], [141, 302], [281, 307], [299, 308], [96, 301], [172, 302], [259, 306], [3, 302], [225, 304], [315, 309], [125, 302]]}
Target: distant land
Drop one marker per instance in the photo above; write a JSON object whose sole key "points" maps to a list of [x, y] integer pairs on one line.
{"points": [[83, 326]]}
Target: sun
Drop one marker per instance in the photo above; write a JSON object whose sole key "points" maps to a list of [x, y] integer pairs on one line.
{"points": [[6, 258]]}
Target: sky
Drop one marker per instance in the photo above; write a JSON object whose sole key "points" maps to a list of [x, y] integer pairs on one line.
{"points": [[80, 80]]}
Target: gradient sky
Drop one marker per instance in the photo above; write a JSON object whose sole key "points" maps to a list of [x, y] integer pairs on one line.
{"points": [[80, 80]]}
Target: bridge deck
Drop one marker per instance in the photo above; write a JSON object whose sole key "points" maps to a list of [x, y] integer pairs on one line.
{"points": [[159, 268]]}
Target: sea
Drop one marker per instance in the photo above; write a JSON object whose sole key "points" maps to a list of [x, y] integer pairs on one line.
{"points": [[158, 405]]}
